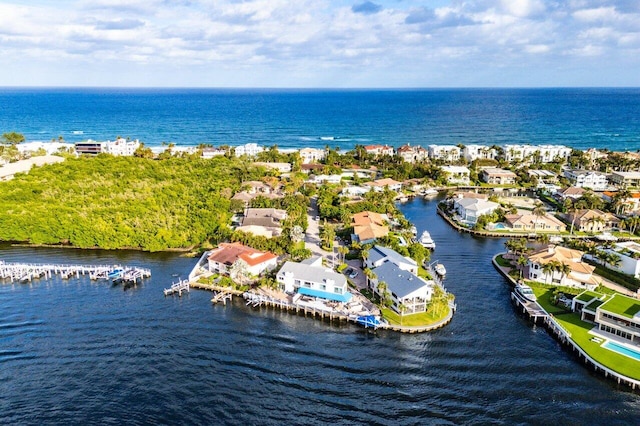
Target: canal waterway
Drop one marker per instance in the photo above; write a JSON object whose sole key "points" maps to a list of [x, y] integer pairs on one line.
{"points": [[82, 352]]}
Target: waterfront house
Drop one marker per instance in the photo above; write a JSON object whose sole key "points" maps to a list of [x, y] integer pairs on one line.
{"points": [[448, 153], [470, 209], [618, 315], [368, 226], [531, 222], [311, 278], [379, 185], [457, 174], [379, 150], [119, 147], [592, 220], [379, 255], [409, 293], [625, 179], [412, 154], [250, 149], [228, 257], [580, 274], [497, 176]]}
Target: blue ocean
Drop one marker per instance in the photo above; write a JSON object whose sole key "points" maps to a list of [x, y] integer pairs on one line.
{"points": [[580, 118]]}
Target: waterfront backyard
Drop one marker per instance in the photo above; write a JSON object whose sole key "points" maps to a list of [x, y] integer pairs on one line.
{"points": [[586, 334]]}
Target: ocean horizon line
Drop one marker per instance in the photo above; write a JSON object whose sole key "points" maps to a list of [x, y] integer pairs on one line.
{"points": [[321, 88]]}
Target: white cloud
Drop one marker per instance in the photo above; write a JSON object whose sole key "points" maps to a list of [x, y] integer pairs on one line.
{"points": [[365, 41]]}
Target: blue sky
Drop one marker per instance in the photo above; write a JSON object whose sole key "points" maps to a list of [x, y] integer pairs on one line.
{"points": [[317, 43]]}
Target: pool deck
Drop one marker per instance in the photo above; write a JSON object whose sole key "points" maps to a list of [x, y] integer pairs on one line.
{"points": [[564, 337]]}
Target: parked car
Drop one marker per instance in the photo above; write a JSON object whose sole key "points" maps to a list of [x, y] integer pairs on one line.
{"points": [[353, 274]]}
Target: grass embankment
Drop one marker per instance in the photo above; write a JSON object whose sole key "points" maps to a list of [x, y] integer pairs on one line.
{"points": [[436, 312], [579, 332]]}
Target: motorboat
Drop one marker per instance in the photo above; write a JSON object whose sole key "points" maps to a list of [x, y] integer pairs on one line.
{"points": [[414, 231], [427, 241], [428, 193], [525, 292], [440, 269]]}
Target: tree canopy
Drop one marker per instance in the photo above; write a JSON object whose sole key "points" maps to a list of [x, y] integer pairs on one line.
{"points": [[118, 202]]}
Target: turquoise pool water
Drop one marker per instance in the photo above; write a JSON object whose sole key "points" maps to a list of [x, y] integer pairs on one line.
{"points": [[623, 350], [499, 225]]}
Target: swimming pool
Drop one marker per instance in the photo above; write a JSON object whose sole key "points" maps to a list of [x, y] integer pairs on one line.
{"points": [[498, 225], [623, 350]]}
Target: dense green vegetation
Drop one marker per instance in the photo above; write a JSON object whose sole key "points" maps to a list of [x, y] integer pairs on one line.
{"points": [[117, 202]]}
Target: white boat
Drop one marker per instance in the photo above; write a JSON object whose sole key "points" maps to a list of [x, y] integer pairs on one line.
{"points": [[428, 193], [414, 231], [525, 292], [427, 241], [440, 269]]}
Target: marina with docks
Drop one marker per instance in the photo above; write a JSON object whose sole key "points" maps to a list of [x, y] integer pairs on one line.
{"points": [[26, 272]]}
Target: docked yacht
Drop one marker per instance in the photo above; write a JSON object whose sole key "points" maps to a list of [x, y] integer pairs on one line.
{"points": [[427, 241], [525, 292], [429, 193], [440, 269]]}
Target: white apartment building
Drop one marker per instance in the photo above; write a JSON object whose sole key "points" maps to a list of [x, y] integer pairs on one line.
{"points": [[312, 155], [450, 153], [479, 152], [545, 153], [587, 179], [249, 149]]}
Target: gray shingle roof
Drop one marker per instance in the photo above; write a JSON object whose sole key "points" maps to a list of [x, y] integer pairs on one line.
{"points": [[401, 283]]}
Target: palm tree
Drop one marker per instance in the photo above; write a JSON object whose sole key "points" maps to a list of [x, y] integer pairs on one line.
{"points": [[522, 262], [538, 211], [370, 275], [564, 270], [383, 293], [402, 308], [612, 259], [548, 269], [343, 250]]}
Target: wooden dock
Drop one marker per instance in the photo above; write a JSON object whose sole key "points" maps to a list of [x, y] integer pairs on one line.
{"points": [[26, 272], [531, 309], [179, 287], [222, 296]]}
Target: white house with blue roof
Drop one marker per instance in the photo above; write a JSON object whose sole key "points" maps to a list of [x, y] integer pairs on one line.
{"points": [[399, 273], [310, 278], [379, 255], [406, 288]]}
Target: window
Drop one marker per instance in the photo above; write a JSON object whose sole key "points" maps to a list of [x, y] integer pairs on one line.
{"points": [[323, 287], [337, 290]]}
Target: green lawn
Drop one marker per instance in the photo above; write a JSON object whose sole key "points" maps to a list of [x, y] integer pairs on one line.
{"points": [[579, 331], [622, 305], [415, 320], [501, 261]]}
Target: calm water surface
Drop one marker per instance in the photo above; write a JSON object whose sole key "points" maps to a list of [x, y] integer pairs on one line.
{"points": [[581, 118], [81, 352]]}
